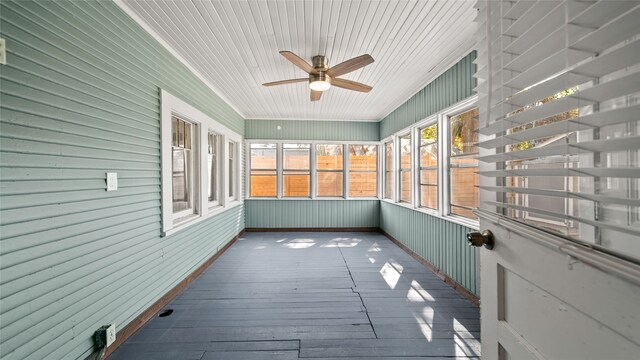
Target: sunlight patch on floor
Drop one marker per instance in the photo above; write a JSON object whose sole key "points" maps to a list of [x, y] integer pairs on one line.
{"points": [[300, 243], [342, 242], [416, 291], [390, 275]]}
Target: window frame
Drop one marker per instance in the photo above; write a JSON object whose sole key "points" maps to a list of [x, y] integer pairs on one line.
{"points": [[411, 168], [250, 169], [216, 166], [313, 168], [202, 125], [440, 117], [285, 171], [376, 171]]}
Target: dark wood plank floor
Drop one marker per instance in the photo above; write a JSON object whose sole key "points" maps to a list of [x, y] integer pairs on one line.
{"points": [[312, 295]]}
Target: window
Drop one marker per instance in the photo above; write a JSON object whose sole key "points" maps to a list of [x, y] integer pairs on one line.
{"points": [[405, 168], [363, 170], [232, 168], [429, 167], [182, 167], [263, 173], [388, 170], [194, 149], [463, 163], [212, 166], [329, 165], [296, 172]]}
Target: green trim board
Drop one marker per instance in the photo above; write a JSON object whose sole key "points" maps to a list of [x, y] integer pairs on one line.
{"points": [[312, 130], [453, 86], [442, 243], [79, 97], [312, 213]]}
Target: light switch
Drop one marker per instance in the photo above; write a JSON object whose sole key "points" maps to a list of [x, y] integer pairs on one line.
{"points": [[112, 181]]}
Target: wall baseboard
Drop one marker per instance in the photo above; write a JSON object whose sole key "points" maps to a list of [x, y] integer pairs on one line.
{"points": [[473, 298], [337, 229], [151, 311]]}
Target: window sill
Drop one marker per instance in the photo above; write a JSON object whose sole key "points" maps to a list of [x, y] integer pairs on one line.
{"points": [[192, 220], [473, 224]]}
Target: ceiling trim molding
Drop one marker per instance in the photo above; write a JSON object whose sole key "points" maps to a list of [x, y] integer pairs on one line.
{"points": [[150, 31], [444, 65], [306, 119]]}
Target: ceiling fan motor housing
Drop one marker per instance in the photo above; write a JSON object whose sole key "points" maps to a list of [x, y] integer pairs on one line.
{"points": [[320, 63]]}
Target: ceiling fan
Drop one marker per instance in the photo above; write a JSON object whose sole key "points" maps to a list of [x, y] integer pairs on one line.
{"points": [[321, 76]]}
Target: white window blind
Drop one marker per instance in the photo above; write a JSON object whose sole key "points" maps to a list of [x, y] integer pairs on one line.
{"points": [[559, 91]]}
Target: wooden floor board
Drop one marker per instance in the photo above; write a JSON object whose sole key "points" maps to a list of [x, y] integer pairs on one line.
{"points": [[312, 295]]}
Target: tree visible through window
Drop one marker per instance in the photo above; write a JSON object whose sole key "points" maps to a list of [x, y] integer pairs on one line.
{"points": [[463, 163]]}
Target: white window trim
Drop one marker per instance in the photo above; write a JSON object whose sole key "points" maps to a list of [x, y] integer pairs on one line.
{"points": [[216, 202], [172, 105], [442, 118], [313, 173]]}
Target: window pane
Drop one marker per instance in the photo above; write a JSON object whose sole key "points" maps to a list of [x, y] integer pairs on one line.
{"points": [[263, 156], [363, 164], [363, 157], [296, 156], [330, 183], [429, 154], [296, 184], [388, 168], [463, 177], [405, 152], [262, 163], [405, 186], [429, 196], [388, 180], [232, 150], [363, 184], [212, 166], [174, 131], [329, 157], [464, 134], [263, 183], [464, 186]]}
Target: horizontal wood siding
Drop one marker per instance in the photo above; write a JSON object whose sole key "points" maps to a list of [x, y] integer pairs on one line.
{"points": [[454, 85], [312, 130], [440, 242], [312, 213], [79, 97]]}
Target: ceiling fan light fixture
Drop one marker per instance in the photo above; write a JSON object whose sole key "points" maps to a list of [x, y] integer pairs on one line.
{"points": [[319, 81]]}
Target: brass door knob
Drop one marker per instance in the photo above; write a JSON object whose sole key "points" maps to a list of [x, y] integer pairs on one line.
{"points": [[481, 239]]}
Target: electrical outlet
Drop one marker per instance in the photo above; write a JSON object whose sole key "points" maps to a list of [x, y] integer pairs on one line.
{"points": [[112, 181], [105, 336], [111, 334], [3, 51]]}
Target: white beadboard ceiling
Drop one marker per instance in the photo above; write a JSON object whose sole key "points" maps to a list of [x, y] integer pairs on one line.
{"points": [[234, 46]]}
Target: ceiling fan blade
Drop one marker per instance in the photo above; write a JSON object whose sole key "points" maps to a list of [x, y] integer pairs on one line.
{"points": [[315, 95], [282, 82], [350, 65], [298, 61], [351, 85]]}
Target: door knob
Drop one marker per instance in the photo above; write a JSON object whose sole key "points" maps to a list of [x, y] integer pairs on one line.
{"points": [[479, 239]]}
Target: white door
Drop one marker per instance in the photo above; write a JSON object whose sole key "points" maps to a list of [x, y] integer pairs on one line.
{"points": [[559, 98], [540, 302]]}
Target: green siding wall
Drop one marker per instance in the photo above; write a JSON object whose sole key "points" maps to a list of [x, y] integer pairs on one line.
{"points": [[312, 213], [439, 241], [80, 97], [454, 85], [312, 130]]}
